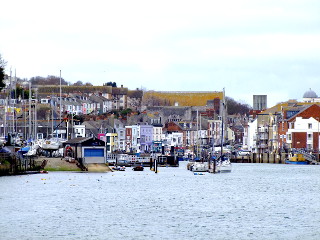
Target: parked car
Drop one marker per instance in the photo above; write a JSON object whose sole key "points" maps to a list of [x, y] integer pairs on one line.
{"points": [[243, 153]]}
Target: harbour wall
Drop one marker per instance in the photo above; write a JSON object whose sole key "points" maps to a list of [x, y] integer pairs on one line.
{"points": [[261, 158]]}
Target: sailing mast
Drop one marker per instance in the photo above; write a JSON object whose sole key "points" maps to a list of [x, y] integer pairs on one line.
{"points": [[60, 108], [197, 149], [14, 103], [30, 115], [222, 121]]}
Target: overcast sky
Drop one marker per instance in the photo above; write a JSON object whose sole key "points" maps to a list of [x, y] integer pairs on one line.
{"points": [[249, 47]]}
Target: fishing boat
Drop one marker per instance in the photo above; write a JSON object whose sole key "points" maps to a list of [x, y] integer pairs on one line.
{"points": [[297, 158]]}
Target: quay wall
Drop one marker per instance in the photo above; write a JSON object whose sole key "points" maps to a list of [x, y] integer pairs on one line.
{"points": [[261, 158]]}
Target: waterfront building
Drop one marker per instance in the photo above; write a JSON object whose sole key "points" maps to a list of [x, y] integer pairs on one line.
{"points": [[302, 128], [250, 136], [87, 149], [121, 132], [111, 143], [146, 137], [128, 142]]}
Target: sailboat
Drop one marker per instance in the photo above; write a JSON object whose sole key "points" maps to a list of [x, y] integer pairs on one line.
{"points": [[54, 143], [223, 163], [199, 165]]}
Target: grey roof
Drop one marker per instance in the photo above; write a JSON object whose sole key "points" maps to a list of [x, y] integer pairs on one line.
{"points": [[78, 140], [310, 94]]}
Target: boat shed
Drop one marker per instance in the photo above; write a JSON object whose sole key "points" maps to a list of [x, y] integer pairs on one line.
{"points": [[86, 149]]}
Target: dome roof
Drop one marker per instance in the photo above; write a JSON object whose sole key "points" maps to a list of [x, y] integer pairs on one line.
{"points": [[310, 94]]}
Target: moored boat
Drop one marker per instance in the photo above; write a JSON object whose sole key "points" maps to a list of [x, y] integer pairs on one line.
{"points": [[200, 167], [51, 144], [225, 166], [297, 158], [119, 168], [138, 168]]}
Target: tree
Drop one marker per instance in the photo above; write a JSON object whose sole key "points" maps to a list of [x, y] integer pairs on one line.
{"points": [[112, 84], [78, 83], [2, 76], [49, 80], [3, 64], [235, 107], [21, 92]]}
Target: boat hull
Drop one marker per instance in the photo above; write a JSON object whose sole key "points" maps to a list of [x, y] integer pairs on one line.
{"points": [[297, 162], [200, 167], [50, 145]]}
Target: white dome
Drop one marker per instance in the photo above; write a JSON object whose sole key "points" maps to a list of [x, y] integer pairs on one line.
{"points": [[310, 94]]}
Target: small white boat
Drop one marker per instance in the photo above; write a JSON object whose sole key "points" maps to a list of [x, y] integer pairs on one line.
{"points": [[3, 141], [200, 167], [225, 166], [51, 144]]}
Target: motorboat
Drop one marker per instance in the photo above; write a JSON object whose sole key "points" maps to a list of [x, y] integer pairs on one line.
{"points": [[138, 168], [51, 144], [297, 158], [225, 165], [200, 167], [119, 168]]}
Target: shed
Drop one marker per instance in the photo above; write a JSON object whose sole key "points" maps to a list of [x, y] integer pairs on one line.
{"points": [[87, 149]]}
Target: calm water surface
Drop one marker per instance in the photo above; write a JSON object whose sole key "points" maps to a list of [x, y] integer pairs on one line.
{"points": [[255, 201]]}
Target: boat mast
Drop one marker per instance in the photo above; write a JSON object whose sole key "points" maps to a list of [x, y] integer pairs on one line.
{"points": [[222, 120], [10, 99], [60, 108], [197, 143], [35, 116], [14, 102], [30, 116], [51, 121]]}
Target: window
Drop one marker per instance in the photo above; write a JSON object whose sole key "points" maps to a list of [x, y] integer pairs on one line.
{"points": [[309, 136], [289, 137], [309, 125]]}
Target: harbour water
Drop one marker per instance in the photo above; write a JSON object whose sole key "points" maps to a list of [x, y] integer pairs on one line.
{"points": [[254, 201]]}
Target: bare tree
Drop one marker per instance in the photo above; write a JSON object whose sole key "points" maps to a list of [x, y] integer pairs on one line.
{"points": [[78, 83], [49, 80]]}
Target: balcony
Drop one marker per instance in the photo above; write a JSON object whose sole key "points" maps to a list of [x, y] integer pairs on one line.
{"points": [[263, 145], [263, 136]]}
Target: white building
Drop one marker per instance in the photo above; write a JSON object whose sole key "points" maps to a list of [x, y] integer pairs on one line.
{"points": [[135, 138], [250, 134], [309, 126]]}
